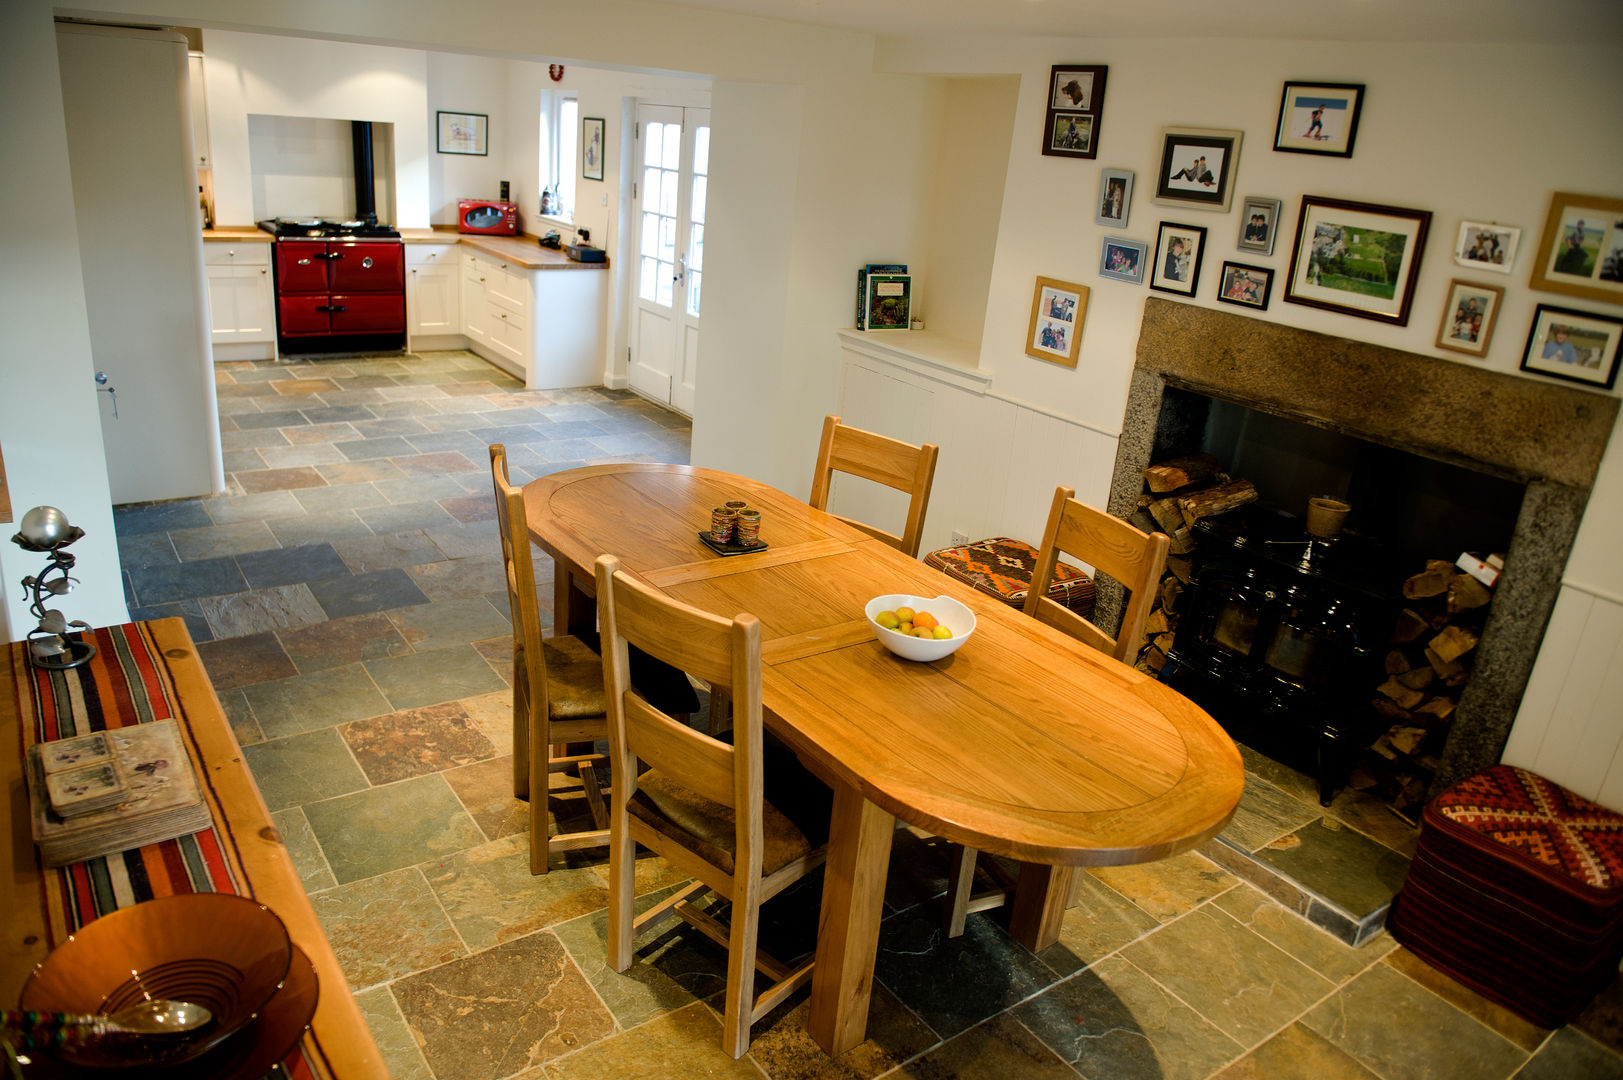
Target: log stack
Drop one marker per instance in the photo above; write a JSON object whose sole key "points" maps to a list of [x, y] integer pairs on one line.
{"points": [[1180, 491], [1428, 663]]}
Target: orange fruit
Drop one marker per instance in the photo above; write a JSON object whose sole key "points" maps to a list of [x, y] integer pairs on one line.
{"points": [[925, 619]]}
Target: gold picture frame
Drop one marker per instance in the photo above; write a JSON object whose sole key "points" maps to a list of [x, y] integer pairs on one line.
{"points": [[1566, 262], [1057, 310]]}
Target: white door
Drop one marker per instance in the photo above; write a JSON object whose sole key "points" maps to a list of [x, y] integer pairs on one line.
{"points": [[673, 163]]}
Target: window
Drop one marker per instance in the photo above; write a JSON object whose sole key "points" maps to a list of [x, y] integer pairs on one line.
{"points": [[560, 138]]}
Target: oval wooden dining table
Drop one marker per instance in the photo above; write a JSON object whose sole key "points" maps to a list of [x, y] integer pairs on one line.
{"points": [[1023, 743]]}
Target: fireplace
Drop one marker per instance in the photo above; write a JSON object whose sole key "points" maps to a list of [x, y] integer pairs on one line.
{"points": [[1534, 447]]}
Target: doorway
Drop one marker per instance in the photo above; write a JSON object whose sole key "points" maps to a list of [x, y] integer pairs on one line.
{"points": [[669, 189]]}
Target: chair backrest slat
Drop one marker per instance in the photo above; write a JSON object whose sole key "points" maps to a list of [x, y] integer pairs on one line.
{"points": [[1133, 558], [891, 462]]}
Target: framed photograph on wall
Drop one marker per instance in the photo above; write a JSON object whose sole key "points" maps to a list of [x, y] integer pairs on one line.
{"points": [[1057, 310], [1468, 317], [1247, 286], [1573, 345], [591, 148], [1197, 167], [1581, 253], [1319, 118], [1178, 251], [1076, 100], [1115, 195], [1357, 258], [1123, 259], [1259, 224], [1486, 246], [463, 133]]}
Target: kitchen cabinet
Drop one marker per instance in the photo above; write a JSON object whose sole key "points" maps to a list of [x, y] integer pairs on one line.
{"points": [[242, 303], [433, 296], [199, 110], [536, 316]]}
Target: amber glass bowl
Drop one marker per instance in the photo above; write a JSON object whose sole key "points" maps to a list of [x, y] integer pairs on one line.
{"points": [[227, 953]]}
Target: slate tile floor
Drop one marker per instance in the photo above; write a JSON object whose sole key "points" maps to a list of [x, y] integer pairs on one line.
{"points": [[346, 596]]}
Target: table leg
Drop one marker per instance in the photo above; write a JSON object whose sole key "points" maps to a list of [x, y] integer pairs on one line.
{"points": [[574, 608], [1040, 900], [848, 929]]}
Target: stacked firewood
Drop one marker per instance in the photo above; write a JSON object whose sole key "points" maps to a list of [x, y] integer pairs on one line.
{"points": [[1427, 664], [1181, 491]]}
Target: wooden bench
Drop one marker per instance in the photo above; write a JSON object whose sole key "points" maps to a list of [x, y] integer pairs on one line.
{"points": [[151, 669]]}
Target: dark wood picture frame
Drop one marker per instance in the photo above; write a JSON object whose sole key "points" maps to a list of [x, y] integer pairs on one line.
{"points": [[1169, 238], [462, 133], [1343, 258], [1245, 285], [1319, 118], [1076, 101], [1556, 327]]}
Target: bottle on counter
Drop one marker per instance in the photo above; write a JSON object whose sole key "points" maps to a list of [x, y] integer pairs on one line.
{"points": [[203, 208]]}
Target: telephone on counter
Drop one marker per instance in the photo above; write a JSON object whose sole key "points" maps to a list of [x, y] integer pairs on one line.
{"points": [[552, 240]]}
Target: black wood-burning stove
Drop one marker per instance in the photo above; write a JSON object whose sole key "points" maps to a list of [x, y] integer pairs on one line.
{"points": [[1282, 637]]}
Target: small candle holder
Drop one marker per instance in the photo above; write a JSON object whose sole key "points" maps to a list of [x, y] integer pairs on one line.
{"points": [[47, 529]]}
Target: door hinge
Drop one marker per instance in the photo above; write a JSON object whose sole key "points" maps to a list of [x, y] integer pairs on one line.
{"points": [[633, 191], [628, 356]]}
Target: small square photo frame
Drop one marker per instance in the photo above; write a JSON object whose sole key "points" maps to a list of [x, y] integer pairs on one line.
{"points": [[1469, 315], [1581, 253], [1483, 245], [1319, 118], [1123, 259], [1577, 346], [1115, 196], [1259, 224], [1076, 100], [463, 133], [1197, 167], [1178, 252], [591, 148], [1057, 310], [1247, 286]]}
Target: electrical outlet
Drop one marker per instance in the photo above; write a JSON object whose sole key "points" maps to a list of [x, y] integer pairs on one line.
{"points": [[959, 538]]}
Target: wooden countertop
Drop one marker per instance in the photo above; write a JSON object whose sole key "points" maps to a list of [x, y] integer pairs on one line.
{"points": [[524, 251]]}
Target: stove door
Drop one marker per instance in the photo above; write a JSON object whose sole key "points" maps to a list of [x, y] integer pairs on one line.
{"points": [[367, 266], [304, 314], [301, 266], [368, 313]]}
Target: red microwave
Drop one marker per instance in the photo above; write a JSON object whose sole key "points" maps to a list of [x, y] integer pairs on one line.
{"points": [[487, 216]]}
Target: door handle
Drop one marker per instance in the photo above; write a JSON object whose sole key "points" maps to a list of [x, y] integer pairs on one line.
{"points": [[304, 262], [681, 270]]}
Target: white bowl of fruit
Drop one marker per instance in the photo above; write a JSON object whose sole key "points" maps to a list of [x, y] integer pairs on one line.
{"points": [[919, 627]]}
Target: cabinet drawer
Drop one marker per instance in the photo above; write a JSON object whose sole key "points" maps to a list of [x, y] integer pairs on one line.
{"points": [[430, 254], [227, 253]]}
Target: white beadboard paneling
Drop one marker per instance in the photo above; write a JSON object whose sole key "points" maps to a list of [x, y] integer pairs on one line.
{"points": [[1534, 719], [876, 402]]}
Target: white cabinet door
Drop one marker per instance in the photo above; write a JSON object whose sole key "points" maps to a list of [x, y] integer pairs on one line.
{"points": [[474, 317], [242, 307], [433, 287], [199, 110]]}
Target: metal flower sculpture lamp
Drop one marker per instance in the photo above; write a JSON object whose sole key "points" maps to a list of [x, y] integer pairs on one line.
{"points": [[50, 646]]}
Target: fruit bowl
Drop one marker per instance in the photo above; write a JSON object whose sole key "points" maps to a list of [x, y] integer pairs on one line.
{"points": [[948, 611]]}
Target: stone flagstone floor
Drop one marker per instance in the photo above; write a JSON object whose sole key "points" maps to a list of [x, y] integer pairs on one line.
{"points": [[346, 595]]}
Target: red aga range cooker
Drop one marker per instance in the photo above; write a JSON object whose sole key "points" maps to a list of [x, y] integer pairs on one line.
{"points": [[340, 286]]}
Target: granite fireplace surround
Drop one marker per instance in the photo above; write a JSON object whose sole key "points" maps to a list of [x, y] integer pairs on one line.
{"points": [[1547, 437]]}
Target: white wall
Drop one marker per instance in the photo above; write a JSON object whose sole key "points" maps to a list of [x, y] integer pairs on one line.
{"points": [[49, 420], [256, 74], [472, 84]]}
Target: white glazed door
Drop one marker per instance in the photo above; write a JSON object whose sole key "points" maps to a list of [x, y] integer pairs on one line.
{"points": [[673, 159]]}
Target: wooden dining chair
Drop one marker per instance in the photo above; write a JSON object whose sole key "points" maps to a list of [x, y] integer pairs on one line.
{"points": [[557, 691], [1136, 560], [884, 460], [702, 802]]}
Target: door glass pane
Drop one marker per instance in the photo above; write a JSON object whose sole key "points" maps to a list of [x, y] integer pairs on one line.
{"points": [[671, 154], [650, 188], [653, 142], [696, 213], [701, 150], [667, 271], [667, 195], [693, 292], [650, 234], [667, 239], [696, 247], [645, 279]]}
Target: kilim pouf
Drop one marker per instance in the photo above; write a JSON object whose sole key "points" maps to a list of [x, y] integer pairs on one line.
{"points": [[1516, 889], [1001, 568]]}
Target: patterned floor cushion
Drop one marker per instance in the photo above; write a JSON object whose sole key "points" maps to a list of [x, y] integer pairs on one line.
{"points": [[1001, 568]]}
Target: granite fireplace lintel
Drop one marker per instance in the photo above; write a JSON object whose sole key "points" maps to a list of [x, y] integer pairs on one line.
{"points": [[1550, 438]]}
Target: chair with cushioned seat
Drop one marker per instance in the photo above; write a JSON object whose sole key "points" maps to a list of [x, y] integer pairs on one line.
{"points": [[557, 690], [887, 461], [1133, 558], [702, 803]]}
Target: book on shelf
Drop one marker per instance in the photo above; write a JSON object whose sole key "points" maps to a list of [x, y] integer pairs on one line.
{"points": [[889, 303], [863, 274], [161, 799]]}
